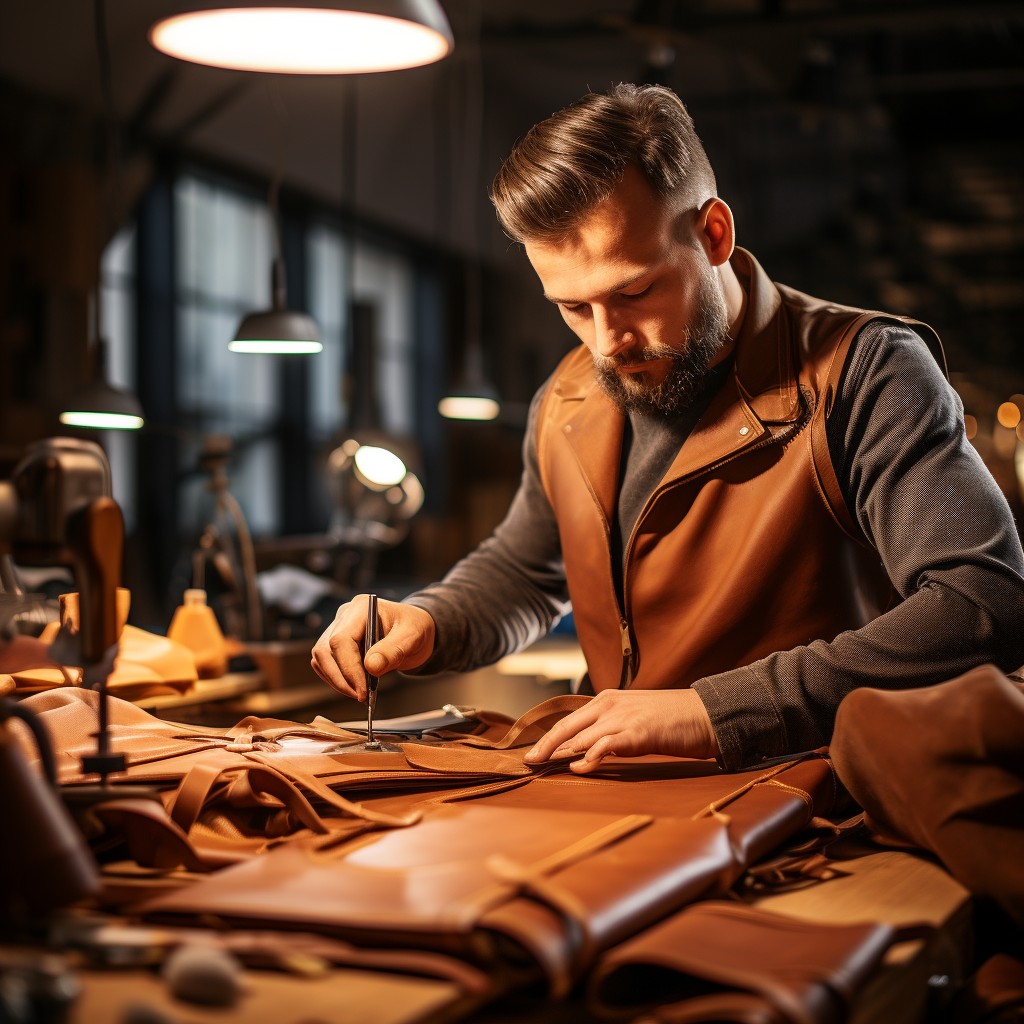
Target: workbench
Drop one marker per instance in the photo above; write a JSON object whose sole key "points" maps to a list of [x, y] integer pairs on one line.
{"points": [[871, 883], [898, 887]]}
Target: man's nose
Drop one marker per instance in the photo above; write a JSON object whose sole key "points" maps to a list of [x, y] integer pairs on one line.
{"points": [[610, 338]]}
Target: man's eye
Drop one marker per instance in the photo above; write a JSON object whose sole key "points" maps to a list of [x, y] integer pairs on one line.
{"points": [[575, 308], [636, 295]]}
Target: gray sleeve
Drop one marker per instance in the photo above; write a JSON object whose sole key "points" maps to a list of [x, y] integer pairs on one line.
{"points": [[508, 592], [946, 536]]}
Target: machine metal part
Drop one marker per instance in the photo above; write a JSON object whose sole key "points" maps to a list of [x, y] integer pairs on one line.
{"points": [[57, 509]]}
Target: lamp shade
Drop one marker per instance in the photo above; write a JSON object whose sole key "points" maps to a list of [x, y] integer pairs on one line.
{"points": [[306, 37], [277, 331], [470, 404], [473, 397], [101, 406]]}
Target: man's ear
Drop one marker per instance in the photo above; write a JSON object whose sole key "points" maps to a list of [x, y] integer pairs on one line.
{"points": [[716, 230]]}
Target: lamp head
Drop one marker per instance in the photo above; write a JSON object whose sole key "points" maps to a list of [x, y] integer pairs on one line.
{"points": [[311, 37], [100, 405], [372, 479], [277, 331], [469, 404]]}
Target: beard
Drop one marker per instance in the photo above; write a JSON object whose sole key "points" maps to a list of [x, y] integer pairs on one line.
{"points": [[689, 361]]}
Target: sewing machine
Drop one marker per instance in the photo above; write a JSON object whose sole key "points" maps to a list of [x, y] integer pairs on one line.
{"points": [[57, 509]]}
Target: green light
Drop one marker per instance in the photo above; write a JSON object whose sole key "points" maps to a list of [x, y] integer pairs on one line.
{"points": [[101, 420]]}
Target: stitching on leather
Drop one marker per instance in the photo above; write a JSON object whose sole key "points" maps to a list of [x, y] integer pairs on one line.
{"points": [[795, 790]]}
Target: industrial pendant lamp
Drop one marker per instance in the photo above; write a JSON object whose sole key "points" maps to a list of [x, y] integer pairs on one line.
{"points": [[306, 37], [473, 397], [277, 330], [101, 406]]}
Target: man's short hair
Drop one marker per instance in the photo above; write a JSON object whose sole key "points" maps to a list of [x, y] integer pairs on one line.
{"points": [[572, 160]]}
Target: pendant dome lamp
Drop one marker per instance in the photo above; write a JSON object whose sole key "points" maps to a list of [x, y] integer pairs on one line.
{"points": [[473, 397], [278, 330], [100, 405], [306, 37]]}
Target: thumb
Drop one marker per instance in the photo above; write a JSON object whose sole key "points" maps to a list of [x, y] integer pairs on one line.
{"points": [[376, 661], [399, 649]]}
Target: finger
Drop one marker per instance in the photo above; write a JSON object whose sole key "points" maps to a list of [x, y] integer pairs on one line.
{"points": [[396, 650], [561, 734], [332, 677], [336, 655], [407, 643], [327, 668], [591, 760]]}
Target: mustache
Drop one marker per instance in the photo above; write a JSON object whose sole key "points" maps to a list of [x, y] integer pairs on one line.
{"points": [[651, 354]]}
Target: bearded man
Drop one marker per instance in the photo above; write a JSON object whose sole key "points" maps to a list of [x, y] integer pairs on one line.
{"points": [[754, 501]]}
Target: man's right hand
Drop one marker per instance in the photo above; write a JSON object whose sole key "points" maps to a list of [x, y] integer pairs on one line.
{"points": [[406, 643]]}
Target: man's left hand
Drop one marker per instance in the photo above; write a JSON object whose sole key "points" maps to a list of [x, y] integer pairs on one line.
{"points": [[628, 723]]}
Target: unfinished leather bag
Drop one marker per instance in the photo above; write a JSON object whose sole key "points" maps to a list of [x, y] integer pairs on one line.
{"points": [[226, 794], [450, 844], [542, 874], [726, 962], [942, 768]]}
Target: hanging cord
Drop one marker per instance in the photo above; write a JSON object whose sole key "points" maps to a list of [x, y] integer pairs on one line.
{"points": [[111, 159], [474, 122], [349, 171], [279, 295]]}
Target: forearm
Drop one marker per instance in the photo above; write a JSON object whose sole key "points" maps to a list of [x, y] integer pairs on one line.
{"points": [[487, 607], [787, 702]]}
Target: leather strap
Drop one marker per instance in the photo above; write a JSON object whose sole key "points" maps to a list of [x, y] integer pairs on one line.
{"points": [[715, 806], [542, 716], [821, 460]]}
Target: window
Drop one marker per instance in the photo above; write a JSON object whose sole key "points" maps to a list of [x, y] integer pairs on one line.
{"points": [[224, 249], [223, 257], [385, 279], [117, 328]]}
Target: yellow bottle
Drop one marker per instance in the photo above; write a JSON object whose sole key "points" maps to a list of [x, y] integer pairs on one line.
{"points": [[195, 626]]}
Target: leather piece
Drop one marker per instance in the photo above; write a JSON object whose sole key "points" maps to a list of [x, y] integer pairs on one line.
{"points": [[544, 873], [146, 665], [942, 768], [719, 961], [453, 845], [435, 885], [994, 994]]}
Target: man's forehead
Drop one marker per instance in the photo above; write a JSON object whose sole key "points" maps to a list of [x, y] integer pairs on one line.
{"points": [[581, 269], [588, 284], [617, 241]]}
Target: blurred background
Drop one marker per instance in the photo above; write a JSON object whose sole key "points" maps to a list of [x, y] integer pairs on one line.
{"points": [[871, 153]]}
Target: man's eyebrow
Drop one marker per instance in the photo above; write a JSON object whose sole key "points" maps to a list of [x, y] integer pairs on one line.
{"points": [[615, 288]]}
